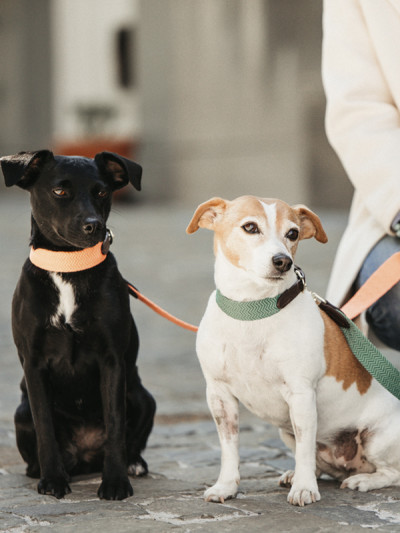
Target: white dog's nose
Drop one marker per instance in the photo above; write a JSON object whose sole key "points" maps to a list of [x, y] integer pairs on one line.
{"points": [[282, 262]]}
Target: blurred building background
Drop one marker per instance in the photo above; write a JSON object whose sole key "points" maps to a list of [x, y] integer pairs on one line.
{"points": [[212, 97]]}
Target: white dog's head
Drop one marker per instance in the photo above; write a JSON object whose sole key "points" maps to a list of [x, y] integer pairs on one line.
{"points": [[255, 242]]}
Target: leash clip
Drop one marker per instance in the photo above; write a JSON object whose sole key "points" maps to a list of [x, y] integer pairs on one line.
{"points": [[332, 311], [317, 298]]}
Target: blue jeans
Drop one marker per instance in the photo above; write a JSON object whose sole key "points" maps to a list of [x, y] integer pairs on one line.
{"points": [[384, 315]]}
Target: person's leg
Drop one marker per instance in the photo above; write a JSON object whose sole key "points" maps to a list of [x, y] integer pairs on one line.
{"points": [[384, 315]]}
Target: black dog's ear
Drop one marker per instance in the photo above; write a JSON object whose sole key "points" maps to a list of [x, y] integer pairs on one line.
{"points": [[121, 170], [23, 168]]}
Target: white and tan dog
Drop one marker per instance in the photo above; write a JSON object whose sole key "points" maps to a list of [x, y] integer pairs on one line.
{"points": [[293, 369]]}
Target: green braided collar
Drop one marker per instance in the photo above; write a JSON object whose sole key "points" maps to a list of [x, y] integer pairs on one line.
{"points": [[255, 310], [258, 309]]}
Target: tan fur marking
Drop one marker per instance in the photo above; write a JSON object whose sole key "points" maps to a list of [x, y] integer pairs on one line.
{"points": [[238, 209], [284, 213], [207, 214], [310, 224], [341, 363]]}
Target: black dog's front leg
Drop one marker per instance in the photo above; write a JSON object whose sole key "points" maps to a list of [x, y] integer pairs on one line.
{"points": [[115, 483], [54, 479]]}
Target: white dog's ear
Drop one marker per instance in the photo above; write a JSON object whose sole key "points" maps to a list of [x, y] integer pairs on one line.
{"points": [[310, 224], [207, 214]]}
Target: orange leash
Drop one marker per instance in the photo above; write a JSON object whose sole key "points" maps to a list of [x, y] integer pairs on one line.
{"points": [[89, 258], [382, 280], [378, 284], [159, 310]]}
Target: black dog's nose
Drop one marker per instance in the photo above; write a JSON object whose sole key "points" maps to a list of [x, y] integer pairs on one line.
{"points": [[91, 225], [282, 262]]}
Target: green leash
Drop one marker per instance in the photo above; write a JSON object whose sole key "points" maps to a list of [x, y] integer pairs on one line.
{"points": [[372, 359], [366, 353]]}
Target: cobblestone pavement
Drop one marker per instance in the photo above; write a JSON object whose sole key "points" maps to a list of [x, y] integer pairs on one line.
{"points": [[174, 269]]}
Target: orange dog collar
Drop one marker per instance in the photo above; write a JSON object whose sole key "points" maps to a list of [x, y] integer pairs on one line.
{"points": [[67, 261], [71, 261]]}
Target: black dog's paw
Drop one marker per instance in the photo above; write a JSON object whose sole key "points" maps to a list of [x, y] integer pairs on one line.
{"points": [[33, 470], [138, 467], [115, 489], [56, 486]]}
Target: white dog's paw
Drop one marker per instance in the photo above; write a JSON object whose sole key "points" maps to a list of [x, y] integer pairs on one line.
{"points": [[302, 496], [220, 492], [286, 479], [364, 482]]}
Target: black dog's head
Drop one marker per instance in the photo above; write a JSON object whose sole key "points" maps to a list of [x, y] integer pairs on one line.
{"points": [[70, 196]]}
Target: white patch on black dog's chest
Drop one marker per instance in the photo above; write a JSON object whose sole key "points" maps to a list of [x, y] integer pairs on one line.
{"points": [[66, 305]]}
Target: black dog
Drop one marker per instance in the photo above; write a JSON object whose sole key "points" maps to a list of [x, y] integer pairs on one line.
{"points": [[83, 406]]}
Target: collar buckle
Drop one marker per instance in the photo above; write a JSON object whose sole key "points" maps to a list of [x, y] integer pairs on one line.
{"points": [[290, 294], [108, 239], [300, 276]]}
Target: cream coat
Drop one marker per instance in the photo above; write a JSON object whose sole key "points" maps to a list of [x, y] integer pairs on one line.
{"points": [[361, 75]]}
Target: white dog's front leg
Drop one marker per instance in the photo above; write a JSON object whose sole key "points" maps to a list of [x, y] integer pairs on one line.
{"points": [[225, 411], [303, 415]]}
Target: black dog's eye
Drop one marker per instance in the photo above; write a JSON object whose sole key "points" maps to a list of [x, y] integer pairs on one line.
{"points": [[59, 192], [102, 194], [251, 227], [292, 234]]}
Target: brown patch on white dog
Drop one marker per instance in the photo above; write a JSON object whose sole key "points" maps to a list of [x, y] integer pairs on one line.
{"points": [[346, 455], [341, 363]]}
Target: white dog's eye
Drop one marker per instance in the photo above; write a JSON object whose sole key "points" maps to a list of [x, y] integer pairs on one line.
{"points": [[292, 234], [251, 227]]}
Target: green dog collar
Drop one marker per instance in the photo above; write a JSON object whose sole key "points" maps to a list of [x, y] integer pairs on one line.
{"points": [[258, 309], [255, 310]]}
